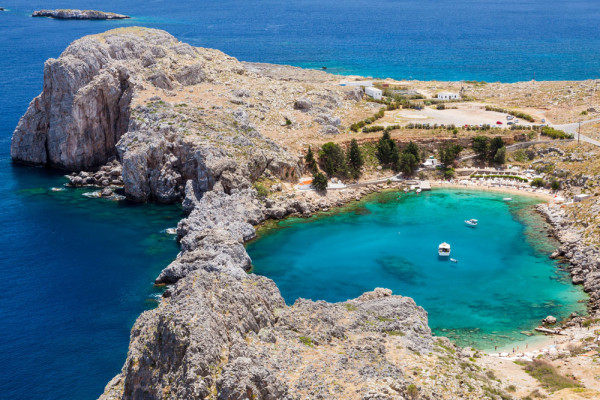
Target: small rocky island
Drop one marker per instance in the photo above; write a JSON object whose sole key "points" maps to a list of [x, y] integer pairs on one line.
{"points": [[78, 14]]}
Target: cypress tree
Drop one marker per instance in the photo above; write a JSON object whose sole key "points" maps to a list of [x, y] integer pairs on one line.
{"points": [[355, 159], [311, 163]]}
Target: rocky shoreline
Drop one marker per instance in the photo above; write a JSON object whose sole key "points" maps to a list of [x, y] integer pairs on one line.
{"points": [[172, 123], [78, 14], [583, 260]]}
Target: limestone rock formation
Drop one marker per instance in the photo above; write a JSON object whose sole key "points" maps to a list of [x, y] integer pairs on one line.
{"points": [[94, 107], [78, 14], [174, 123]]}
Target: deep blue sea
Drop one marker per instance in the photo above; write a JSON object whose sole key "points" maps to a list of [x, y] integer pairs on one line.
{"points": [[502, 284], [78, 271]]}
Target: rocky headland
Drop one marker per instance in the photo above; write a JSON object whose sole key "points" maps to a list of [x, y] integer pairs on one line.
{"points": [[137, 109], [78, 14]]}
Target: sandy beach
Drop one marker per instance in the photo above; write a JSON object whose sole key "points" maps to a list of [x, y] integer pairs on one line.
{"points": [[487, 188]]}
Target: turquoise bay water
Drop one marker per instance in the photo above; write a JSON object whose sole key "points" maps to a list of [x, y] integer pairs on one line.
{"points": [[504, 281]]}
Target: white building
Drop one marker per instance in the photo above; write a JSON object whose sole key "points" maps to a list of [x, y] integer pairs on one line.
{"points": [[374, 92], [430, 162], [448, 96]]}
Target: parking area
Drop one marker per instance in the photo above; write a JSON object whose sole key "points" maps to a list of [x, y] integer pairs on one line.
{"points": [[463, 114]]}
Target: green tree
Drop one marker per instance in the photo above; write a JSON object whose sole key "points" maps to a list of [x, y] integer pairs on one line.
{"points": [[408, 164], [310, 161], [500, 156], [449, 152], [481, 147], [387, 151], [412, 148], [555, 185], [448, 173], [495, 144], [319, 181], [333, 160], [384, 148], [355, 159]]}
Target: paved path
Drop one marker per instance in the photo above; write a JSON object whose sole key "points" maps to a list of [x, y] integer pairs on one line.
{"points": [[574, 128]]}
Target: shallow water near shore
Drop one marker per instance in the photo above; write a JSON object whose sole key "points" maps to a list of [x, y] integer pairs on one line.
{"points": [[504, 282]]}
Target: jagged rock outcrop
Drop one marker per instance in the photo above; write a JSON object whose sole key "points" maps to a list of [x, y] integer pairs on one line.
{"points": [[78, 14], [90, 112], [226, 337], [584, 260]]}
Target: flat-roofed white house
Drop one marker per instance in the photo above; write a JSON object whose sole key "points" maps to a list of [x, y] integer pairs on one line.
{"points": [[374, 92], [448, 96], [431, 162]]}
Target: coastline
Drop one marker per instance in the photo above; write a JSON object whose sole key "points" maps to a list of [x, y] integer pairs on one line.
{"points": [[223, 210], [539, 195], [352, 196]]}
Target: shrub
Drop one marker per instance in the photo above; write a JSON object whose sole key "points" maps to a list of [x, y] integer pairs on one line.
{"points": [[412, 391], [517, 114], [538, 182], [555, 133], [375, 128], [518, 178], [555, 185], [261, 190], [305, 340], [441, 106], [549, 377]]}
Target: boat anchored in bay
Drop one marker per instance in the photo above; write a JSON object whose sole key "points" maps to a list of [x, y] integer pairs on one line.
{"points": [[444, 250], [471, 222]]}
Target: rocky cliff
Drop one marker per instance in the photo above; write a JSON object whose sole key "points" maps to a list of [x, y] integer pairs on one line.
{"points": [[169, 122], [102, 100]]}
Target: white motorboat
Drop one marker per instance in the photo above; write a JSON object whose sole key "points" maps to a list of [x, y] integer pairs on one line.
{"points": [[454, 260], [405, 190], [507, 199], [471, 222], [444, 250], [418, 190]]}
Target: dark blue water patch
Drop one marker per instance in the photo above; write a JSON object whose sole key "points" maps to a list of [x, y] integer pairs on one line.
{"points": [[503, 283], [77, 273], [445, 40]]}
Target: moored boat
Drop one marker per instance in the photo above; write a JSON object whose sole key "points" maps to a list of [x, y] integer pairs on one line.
{"points": [[507, 199], [444, 250], [471, 222]]}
